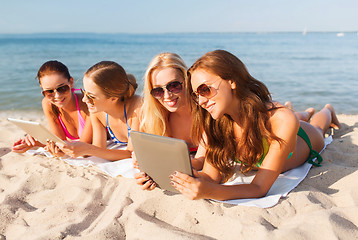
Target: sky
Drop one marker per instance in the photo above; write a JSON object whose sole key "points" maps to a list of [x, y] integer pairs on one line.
{"points": [[163, 16]]}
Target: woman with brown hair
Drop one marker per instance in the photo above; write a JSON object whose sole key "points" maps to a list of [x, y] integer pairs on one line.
{"points": [[67, 116], [238, 124], [110, 96]]}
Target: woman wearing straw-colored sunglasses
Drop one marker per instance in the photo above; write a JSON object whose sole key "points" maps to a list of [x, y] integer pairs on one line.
{"points": [[166, 109], [110, 96], [239, 125], [66, 114]]}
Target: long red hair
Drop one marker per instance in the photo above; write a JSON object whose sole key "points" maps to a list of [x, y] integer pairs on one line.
{"points": [[223, 149]]}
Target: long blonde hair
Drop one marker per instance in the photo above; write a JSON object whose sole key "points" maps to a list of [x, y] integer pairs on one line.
{"points": [[154, 116]]}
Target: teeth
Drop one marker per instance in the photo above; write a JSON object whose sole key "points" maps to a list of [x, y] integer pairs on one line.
{"points": [[171, 103]]}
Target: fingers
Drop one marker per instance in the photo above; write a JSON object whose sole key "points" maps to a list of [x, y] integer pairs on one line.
{"points": [[18, 142], [182, 177], [30, 141], [20, 148], [195, 173], [149, 185], [187, 185], [143, 179], [135, 162]]}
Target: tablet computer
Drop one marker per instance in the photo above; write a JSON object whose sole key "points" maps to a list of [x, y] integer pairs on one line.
{"points": [[36, 130], [160, 156]]}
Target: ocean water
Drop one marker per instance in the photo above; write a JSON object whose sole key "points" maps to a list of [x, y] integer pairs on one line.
{"points": [[308, 70]]}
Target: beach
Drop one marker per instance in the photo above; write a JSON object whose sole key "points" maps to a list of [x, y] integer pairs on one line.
{"points": [[46, 198]]}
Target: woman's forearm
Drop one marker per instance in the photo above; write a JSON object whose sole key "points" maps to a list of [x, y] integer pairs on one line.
{"points": [[240, 191], [109, 154]]}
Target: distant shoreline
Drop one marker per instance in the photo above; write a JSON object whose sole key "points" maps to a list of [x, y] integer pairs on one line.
{"points": [[174, 33]]}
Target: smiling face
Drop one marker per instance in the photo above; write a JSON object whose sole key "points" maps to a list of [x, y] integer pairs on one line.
{"points": [[53, 82], [161, 77], [93, 96], [222, 100]]}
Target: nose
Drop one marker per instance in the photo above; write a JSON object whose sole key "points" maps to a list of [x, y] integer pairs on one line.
{"points": [[56, 94], [85, 98], [202, 100], [167, 94]]}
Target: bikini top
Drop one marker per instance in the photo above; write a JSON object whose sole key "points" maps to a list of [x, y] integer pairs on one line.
{"points": [[111, 134], [266, 147], [81, 121]]}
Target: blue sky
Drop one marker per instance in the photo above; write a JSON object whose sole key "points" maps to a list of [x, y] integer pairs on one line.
{"points": [[158, 16]]}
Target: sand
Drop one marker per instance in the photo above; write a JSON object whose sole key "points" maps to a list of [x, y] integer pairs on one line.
{"points": [[44, 198]]}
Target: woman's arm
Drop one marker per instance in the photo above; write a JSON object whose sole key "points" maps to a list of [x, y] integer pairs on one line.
{"points": [[53, 122], [87, 133], [99, 147], [197, 162], [285, 125]]}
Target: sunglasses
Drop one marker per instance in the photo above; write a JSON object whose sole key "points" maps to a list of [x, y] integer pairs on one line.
{"points": [[90, 98], [173, 87], [205, 91], [60, 90]]}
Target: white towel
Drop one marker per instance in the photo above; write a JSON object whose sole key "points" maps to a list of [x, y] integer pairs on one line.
{"points": [[281, 187], [122, 167]]}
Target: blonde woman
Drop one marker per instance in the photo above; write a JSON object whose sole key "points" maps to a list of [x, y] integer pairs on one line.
{"points": [[166, 109], [110, 96]]}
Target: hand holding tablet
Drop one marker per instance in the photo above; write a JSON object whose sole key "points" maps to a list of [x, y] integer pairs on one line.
{"points": [[36, 130], [160, 157]]}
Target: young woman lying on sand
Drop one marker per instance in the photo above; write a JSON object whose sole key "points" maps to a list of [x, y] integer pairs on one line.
{"points": [[111, 100], [241, 125], [166, 109], [66, 114]]}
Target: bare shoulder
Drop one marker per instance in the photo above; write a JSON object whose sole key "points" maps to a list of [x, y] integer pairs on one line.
{"points": [[282, 117], [135, 104], [99, 117], [46, 104], [47, 107], [81, 104], [137, 101]]}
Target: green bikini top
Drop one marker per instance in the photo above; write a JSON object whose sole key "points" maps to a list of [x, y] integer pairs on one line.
{"points": [[266, 147]]}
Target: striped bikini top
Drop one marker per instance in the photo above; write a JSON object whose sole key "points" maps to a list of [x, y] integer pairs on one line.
{"points": [[111, 134]]}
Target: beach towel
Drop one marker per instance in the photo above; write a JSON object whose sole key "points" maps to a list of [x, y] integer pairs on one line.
{"points": [[281, 187]]}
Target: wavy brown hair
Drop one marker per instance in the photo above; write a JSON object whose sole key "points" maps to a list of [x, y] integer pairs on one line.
{"points": [[223, 148]]}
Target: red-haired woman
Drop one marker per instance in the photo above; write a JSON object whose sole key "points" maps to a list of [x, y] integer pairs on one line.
{"points": [[238, 124]]}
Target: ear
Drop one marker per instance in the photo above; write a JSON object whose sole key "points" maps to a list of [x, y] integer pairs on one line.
{"points": [[113, 99], [232, 84], [71, 81]]}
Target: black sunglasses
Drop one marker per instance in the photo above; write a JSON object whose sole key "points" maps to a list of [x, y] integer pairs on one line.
{"points": [[60, 90], [173, 87]]}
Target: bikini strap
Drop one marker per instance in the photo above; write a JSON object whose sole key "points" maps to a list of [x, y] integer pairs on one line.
{"points": [[313, 154], [125, 115], [78, 108]]}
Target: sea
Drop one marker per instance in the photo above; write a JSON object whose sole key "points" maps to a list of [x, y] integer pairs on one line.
{"points": [[309, 70]]}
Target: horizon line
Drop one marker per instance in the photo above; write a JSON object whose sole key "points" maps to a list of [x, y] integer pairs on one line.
{"points": [[204, 32]]}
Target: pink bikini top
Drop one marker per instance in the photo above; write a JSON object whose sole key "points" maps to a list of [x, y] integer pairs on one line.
{"points": [[81, 121]]}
